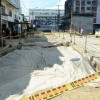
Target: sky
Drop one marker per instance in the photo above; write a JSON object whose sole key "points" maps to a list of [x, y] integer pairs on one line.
{"points": [[41, 4]]}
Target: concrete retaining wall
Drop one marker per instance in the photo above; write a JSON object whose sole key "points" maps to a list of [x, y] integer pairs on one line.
{"points": [[8, 50]]}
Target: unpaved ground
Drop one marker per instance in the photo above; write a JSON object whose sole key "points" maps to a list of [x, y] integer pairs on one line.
{"points": [[83, 93], [55, 66]]}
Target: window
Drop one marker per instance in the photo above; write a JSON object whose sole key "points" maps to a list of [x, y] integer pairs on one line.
{"points": [[77, 8], [94, 14], [88, 8], [94, 20], [94, 2], [47, 13], [88, 2], [83, 3], [94, 8], [77, 1], [83, 9]]}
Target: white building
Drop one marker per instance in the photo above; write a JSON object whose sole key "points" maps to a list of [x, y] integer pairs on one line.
{"points": [[11, 13], [44, 13]]}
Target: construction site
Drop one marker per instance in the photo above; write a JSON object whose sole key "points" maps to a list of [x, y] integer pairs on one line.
{"points": [[51, 66], [49, 50]]}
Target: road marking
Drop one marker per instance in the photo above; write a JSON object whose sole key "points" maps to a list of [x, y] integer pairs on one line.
{"points": [[64, 88]]}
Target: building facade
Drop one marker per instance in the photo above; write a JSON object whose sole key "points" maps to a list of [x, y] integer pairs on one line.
{"points": [[45, 15], [67, 14], [10, 15], [87, 8], [97, 15], [83, 9], [68, 5]]}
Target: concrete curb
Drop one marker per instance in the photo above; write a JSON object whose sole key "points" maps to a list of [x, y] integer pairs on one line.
{"points": [[8, 50]]}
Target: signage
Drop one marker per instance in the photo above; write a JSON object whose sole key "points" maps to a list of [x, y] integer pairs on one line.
{"points": [[10, 19], [4, 17], [24, 26], [32, 21]]}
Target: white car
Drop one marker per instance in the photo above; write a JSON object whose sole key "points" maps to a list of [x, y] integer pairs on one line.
{"points": [[97, 32]]}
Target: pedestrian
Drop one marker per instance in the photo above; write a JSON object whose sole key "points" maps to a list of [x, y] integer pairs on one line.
{"points": [[7, 32], [70, 32], [3, 33], [81, 32]]}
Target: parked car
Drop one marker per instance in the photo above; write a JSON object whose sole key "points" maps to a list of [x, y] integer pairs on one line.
{"points": [[97, 33]]}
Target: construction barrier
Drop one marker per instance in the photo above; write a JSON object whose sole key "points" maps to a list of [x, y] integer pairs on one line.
{"points": [[94, 35], [10, 41], [46, 95]]}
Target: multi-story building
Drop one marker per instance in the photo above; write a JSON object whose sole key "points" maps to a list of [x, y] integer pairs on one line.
{"points": [[82, 6], [68, 4], [67, 14], [11, 14], [84, 13], [89, 9], [45, 14], [96, 10], [85, 7]]}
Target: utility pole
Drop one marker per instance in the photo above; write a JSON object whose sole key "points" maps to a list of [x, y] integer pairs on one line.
{"points": [[71, 14], [0, 24], [71, 20], [58, 17], [55, 23]]}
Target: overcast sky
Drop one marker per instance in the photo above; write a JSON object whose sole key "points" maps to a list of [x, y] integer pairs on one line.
{"points": [[41, 4]]}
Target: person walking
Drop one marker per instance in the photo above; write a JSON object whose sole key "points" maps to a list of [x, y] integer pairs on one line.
{"points": [[7, 32], [70, 32]]}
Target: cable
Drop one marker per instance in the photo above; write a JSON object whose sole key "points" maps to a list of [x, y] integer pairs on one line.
{"points": [[25, 9], [24, 5]]}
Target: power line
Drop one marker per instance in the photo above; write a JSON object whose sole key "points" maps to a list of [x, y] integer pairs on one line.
{"points": [[25, 10], [24, 5]]}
